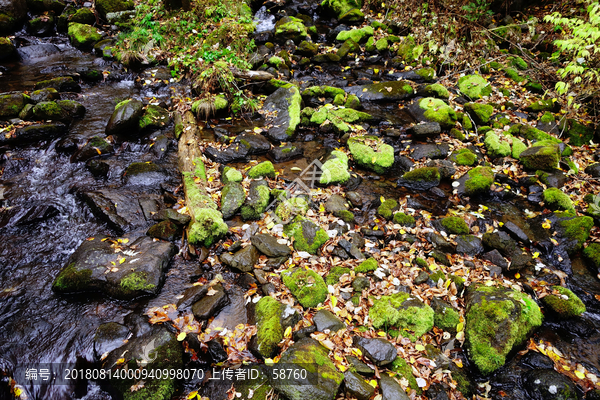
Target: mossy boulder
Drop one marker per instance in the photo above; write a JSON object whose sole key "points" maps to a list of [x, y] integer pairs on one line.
{"points": [[369, 265], [592, 255], [498, 320], [232, 199], [307, 49], [154, 117], [383, 91], [307, 235], [47, 94], [474, 86], [283, 107], [481, 113], [446, 317], [542, 106], [577, 230], [306, 285], [501, 144], [436, 110], [83, 16], [556, 199], [110, 6], [565, 303], [62, 84], [410, 316], [82, 35], [12, 104], [463, 157], [543, 158], [290, 28], [230, 174], [387, 208], [346, 11], [435, 90], [455, 225], [62, 110], [7, 49], [264, 169], [349, 47], [579, 134], [420, 178], [335, 169], [479, 181], [338, 118], [334, 275], [126, 117], [287, 209], [272, 318], [357, 35], [371, 153], [259, 195], [403, 219], [322, 91]]}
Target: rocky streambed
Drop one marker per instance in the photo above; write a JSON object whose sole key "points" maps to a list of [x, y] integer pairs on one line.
{"points": [[388, 230]]}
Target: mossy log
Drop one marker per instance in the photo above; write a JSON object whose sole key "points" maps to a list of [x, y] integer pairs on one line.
{"points": [[252, 75], [206, 226]]}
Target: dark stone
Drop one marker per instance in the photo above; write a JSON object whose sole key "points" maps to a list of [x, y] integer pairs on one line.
{"points": [[108, 337], [446, 168], [356, 386], [378, 350], [37, 51], [276, 262], [94, 147], [496, 258], [440, 243], [98, 168], [165, 230], [360, 366], [125, 119], [536, 360], [47, 94], [21, 215], [62, 84], [422, 277], [232, 199], [192, 295], [341, 253], [216, 351], [34, 133], [278, 106], [355, 199], [304, 332], [285, 153], [593, 170], [361, 283], [427, 129], [390, 389], [161, 146], [431, 151], [516, 232], [335, 204], [244, 260], [436, 392], [211, 304], [172, 215], [500, 241], [469, 245], [269, 246], [325, 319], [145, 174], [384, 91], [379, 234], [548, 384], [257, 144], [233, 153]]}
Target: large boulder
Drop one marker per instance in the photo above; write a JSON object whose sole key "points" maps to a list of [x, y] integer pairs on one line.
{"points": [[110, 6], [498, 320], [125, 119], [474, 86], [372, 153], [282, 113], [12, 104], [346, 11], [544, 158], [137, 270], [290, 28], [7, 49], [83, 35], [420, 179], [272, 319], [12, 14], [412, 317], [383, 91]]}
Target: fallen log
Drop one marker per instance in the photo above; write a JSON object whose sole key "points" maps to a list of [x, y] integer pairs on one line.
{"points": [[252, 75], [206, 226]]}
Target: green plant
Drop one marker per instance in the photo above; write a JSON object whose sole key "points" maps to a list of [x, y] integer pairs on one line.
{"points": [[476, 10]]}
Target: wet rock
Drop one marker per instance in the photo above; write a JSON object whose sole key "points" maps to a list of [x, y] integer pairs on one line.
{"points": [[94, 147], [171, 215], [516, 232], [272, 319], [154, 117], [232, 153], [326, 320], [431, 151], [290, 28], [420, 179], [165, 230], [360, 366], [427, 129], [304, 332], [309, 354], [232, 199], [378, 350], [446, 168], [268, 245], [145, 174], [497, 321], [96, 267], [355, 198], [496, 258], [391, 389], [192, 295], [383, 92], [41, 26], [83, 36], [125, 119], [12, 104], [212, 303], [257, 201], [7, 49], [34, 133], [536, 360], [469, 245], [440, 243], [257, 144], [62, 84], [244, 260], [283, 113], [307, 236], [306, 285], [108, 337], [21, 215], [356, 386], [61, 110], [37, 51], [548, 384], [47, 94], [593, 170], [285, 153], [13, 12]]}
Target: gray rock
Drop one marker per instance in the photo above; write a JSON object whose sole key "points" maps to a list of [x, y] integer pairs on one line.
{"points": [[361, 283], [390, 389], [351, 249], [440, 243], [360, 366], [548, 384], [165, 230], [325, 319], [356, 386], [125, 118], [355, 198], [232, 199], [234, 152], [268, 245], [244, 260], [108, 337], [172, 215], [281, 105], [210, 305], [37, 51], [516, 232], [191, 295], [427, 129], [446, 168], [257, 144], [431, 151], [496, 258], [469, 245], [422, 277], [96, 146], [378, 350], [285, 153], [335, 204]]}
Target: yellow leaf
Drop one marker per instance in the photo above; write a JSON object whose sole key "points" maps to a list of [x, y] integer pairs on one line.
{"points": [[192, 394], [333, 301], [566, 368], [356, 352], [500, 223], [460, 326], [181, 336], [402, 231], [18, 391], [579, 374], [288, 332], [420, 347], [382, 199], [269, 361], [517, 275], [381, 333], [373, 383], [458, 363], [122, 260], [341, 367], [546, 224], [536, 254], [120, 361]]}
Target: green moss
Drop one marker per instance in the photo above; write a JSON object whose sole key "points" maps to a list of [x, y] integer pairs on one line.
{"points": [[474, 86], [421, 262], [276, 61], [306, 285], [541, 106], [436, 110], [323, 91], [480, 180], [352, 101], [592, 254], [517, 147], [346, 216], [547, 118], [254, 211], [455, 225], [269, 330], [386, 208], [154, 117], [425, 174], [457, 134], [404, 370], [579, 134], [404, 219], [231, 175], [382, 44], [570, 307], [578, 229], [335, 169], [358, 35], [82, 35], [301, 242], [513, 74], [339, 100], [458, 281], [447, 319], [484, 318], [497, 145], [288, 208], [291, 28], [369, 265], [427, 74], [70, 279], [263, 169], [543, 157], [466, 122], [464, 157], [370, 45], [558, 200], [481, 113], [135, 281], [437, 275], [49, 110], [371, 153], [437, 90], [412, 317], [335, 273]]}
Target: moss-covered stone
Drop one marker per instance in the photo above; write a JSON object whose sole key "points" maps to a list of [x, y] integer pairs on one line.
{"points": [[455, 225], [333, 277], [257, 202], [474, 86], [480, 180], [404, 370], [541, 106], [592, 255], [289, 208], [82, 35], [110, 6], [421, 178], [83, 16], [353, 102], [306, 285], [307, 236], [556, 199], [382, 44], [346, 11], [369, 265], [387, 208], [404, 219], [154, 117], [412, 317], [497, 321], [436, 90], [357, 35], [497, 144], [323, 91], [371, 153], [514, 75], [262, 170], [290, 28], [579, 134], [7, 49], [481, 113], [231, 175], [446, 317], [72, 280], [12, 104], [436, 110], [370, 45], [578, 230], [335, 169], [544, 158], [463, 157], [269, 329], [566, 304]]}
